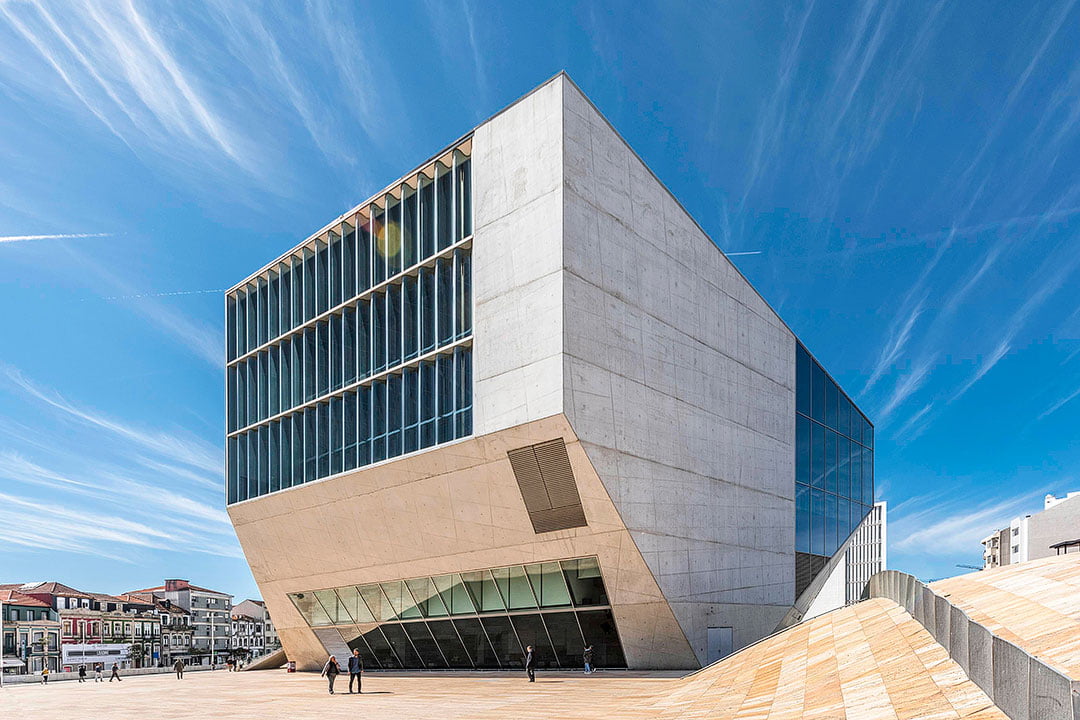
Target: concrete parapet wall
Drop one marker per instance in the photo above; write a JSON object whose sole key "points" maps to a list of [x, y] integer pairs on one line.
{"points": [[1022, 686]]}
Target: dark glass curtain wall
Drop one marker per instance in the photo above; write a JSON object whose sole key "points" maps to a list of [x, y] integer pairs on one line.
{"points": [[834, 467], [357, 347], [483, 619]]}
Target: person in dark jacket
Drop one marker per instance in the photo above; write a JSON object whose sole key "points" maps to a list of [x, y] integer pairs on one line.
{"points": [[331, 671], [587, 656], [178, 668], [356, 668], [82, 673], [530, 663], [115, 673]]}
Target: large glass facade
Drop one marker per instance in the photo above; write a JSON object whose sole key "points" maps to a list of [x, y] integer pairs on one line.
{"points": [[834, 467], [356, 347], [479, 619]]}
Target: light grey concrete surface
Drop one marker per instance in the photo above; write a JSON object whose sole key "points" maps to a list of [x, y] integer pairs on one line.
{"points": [[941, 621], [1012, 678], [517, 263], [958, 636], [680, 384], [981, 657], [1050, 693]]}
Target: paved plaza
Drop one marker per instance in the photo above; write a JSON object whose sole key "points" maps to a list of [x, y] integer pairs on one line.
{"points": [[275, 694]]}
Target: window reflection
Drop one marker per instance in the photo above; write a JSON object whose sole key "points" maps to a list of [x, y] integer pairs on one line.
{"points": [[314, 330], [833, 467], [481, 619]]}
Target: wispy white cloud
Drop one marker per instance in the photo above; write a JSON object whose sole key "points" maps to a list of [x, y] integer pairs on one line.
{"points": [[99, 482], [1060, 403], [80, 530], [186, 450], [911, 424], [769, 129], [986, 365], [895, 345], [1053, 274], [865, 39], [942, 526], [1056, 23], [67, 236], [114, 59], [908, 385]]}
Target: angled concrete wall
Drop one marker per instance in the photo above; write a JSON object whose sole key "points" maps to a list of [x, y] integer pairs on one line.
{"points": [[451, 509], [680, 384]]}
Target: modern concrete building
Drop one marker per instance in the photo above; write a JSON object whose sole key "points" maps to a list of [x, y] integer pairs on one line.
{"points": [[520, 397], [1035, 536]]}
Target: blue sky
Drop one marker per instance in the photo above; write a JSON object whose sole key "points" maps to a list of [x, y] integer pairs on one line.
{"points": [[901, 176]]}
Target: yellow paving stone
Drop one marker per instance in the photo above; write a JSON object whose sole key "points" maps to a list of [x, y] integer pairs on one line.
{"points": [[1034, 605]]}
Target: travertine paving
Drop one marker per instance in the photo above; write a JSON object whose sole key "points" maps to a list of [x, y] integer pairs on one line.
{"points": [[865, 662], [1034, 605], [273, 694]]}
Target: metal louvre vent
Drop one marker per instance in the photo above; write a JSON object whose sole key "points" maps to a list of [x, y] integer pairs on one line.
{"points": [[547, 486]]}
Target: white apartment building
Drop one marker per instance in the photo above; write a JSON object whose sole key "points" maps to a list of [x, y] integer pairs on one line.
{"points": [[1032, 536]]}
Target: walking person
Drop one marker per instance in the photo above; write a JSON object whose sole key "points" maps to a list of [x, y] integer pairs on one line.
{"points": [[45, 675], [82, 673], [356, 669], [98, 667], [115, 673], [530, 663], [331, 671], [587, 656], [178, 666]]}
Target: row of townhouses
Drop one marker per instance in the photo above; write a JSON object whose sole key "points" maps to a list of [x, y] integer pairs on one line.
{"points": [[55, 626]]}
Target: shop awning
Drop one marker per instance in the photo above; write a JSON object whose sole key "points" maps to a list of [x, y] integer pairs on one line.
{"points": [[12, 662]]}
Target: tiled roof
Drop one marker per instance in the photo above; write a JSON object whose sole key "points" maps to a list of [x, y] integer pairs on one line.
{"points": [[196, 588], [157, 601], [14, 597], [52, 588]]}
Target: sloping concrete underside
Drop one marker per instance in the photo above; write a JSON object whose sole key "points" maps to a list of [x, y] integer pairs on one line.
{"points": [[449, 509]]}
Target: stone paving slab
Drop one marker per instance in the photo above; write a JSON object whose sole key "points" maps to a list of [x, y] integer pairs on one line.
{"points": [[1034, 605], [871, 661], [276, 694]]}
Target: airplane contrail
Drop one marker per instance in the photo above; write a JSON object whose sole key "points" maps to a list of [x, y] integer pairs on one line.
{"points": [[744, 252], [69, 236]]}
